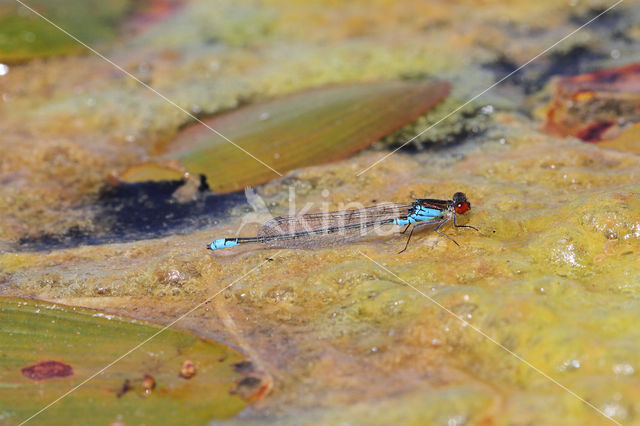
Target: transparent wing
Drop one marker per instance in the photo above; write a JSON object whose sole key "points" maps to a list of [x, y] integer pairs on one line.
{"points": [[322, 229], [333, 221]]}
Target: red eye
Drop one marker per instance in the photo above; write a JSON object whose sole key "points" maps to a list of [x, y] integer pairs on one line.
{"points": [[462, 207]]}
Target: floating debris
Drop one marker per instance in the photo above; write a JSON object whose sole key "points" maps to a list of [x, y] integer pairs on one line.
{"points": [[148, 384], [126, 387], [188, 370], [47, 370], [255, 385]]}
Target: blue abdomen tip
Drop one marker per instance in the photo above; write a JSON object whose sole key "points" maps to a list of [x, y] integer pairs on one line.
{"points": [[223, 243]]}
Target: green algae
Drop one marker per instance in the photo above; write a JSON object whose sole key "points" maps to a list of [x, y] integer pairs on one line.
{"points": [[418, 135], [24, 35], [552, 275]]}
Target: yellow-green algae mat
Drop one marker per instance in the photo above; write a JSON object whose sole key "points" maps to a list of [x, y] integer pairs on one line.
{"points": [[48, 349]]}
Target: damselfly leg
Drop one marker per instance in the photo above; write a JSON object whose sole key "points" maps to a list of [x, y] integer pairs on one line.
{"points": [[443, 234], [463, 226], [408, 239], [405, 230], [418, 225]]}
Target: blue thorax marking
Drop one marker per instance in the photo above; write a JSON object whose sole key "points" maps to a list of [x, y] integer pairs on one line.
{"points": [[420, 214], [424, 213]]}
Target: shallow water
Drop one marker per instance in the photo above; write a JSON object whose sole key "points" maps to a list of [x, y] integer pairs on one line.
{"points": [[353, 334]]}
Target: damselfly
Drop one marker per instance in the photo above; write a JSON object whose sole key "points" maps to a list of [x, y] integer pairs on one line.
{"points": [[322, 229]]}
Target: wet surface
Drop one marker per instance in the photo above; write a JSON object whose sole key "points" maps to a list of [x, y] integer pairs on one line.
{"points": [[333, 337]]}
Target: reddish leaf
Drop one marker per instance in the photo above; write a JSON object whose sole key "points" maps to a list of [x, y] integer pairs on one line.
{"points": [[595, 106]]}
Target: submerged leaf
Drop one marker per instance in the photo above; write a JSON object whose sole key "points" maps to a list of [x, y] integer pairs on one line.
{"points": [[307, 128], [48, 349]]}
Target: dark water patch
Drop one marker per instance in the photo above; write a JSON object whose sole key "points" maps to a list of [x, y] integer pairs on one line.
{"points": [[610, 27], [532, 78], [623, 36], [577, 60], [138, 211], [502, 67], [605, 22]]}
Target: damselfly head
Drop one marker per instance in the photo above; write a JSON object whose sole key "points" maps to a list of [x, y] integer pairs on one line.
{"points": [[460, 203]]}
